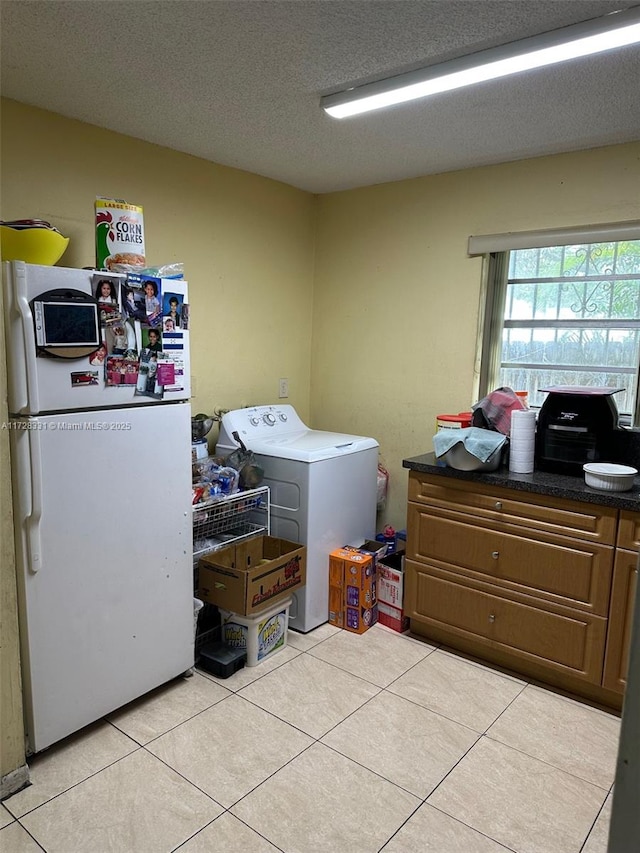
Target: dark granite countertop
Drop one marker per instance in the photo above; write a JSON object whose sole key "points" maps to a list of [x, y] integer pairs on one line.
{"points": [[540, 482]]}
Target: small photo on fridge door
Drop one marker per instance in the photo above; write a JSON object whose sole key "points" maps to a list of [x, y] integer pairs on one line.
{"points": [[133, 303], [130, 367], [152, 300], [168, 326], [151, 339], [184, 316], [171, 304], [97, 357], [147, 383], [106, 289], [132, 339], [115, 334], [113, 370]]}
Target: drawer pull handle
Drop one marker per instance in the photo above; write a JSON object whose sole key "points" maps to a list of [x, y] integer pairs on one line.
{"points": [[492, 617], [495, 554], [498, 504]]}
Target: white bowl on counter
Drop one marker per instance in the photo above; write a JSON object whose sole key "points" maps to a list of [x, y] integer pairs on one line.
{"points": [[609, 477]]}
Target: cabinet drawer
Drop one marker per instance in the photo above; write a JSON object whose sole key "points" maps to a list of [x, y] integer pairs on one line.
{"points": [[523, 509], [629, 530], [560, 639], [623, 598], [568, 571]]}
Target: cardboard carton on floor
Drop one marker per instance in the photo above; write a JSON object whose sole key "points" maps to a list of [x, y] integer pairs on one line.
{"points": [[375, 549], [390, 592], [249, 576], [352, 590]]}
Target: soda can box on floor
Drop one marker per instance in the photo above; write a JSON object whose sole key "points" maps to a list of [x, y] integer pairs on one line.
{"points": [[375, 549], [262, 634], [391, 591], [249, 576], [352, 590]]}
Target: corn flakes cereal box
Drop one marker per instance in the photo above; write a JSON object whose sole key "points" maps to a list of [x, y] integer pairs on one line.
{"points": [[119, 236]]}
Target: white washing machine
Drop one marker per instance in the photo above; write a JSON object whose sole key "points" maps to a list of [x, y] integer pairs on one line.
{"points": [[323, 491]]}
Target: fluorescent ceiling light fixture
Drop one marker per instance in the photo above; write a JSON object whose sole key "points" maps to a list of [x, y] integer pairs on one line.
{"points": [[615, 30]]}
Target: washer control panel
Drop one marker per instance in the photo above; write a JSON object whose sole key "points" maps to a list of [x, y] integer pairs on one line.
{"points": [[259, 422]]}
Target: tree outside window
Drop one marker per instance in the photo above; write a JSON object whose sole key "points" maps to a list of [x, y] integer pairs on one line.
{"points": [[570, 316]]}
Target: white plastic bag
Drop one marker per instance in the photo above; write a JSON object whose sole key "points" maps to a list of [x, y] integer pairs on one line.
{"points": [[383, 486]]}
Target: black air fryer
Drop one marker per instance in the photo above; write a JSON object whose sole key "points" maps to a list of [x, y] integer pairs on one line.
{"points": [[574, 427]]}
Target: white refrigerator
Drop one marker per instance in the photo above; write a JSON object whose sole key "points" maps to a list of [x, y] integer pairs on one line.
{"points": [[101, 477]]}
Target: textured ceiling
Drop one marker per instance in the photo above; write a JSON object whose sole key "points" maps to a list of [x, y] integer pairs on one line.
{"points": [[238, 82]]}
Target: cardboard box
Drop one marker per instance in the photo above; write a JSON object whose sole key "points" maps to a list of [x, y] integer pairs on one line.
{"points": [[119, 235], [390, 592], [375, 549], [249, 576], [352, 590]]}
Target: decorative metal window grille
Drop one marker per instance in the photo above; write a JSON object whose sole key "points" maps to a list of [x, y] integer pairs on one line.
{"points": [[570, 315]]}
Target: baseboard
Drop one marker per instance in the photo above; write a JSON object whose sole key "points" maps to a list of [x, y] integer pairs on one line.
{"points": [[14, 781]]}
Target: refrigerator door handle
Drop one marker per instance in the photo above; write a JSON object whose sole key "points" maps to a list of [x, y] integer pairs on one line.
{"points": [[27, 387], [32, 521]]}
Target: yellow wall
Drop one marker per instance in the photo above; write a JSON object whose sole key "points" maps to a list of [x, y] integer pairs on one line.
{"points": [[396, 296], [247, 243], [380, 276]]}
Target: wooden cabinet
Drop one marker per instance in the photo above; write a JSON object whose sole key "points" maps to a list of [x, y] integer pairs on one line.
{"points": [[629, 531], [556, 638], [623, 594], [520, 509], [554, 568], [529, 581]]}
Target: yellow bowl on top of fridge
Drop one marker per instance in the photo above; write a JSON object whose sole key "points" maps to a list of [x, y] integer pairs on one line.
{"points": [[32, 245]]}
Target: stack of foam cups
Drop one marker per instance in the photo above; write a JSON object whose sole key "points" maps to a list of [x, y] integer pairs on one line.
{"points": [[522, 441]]}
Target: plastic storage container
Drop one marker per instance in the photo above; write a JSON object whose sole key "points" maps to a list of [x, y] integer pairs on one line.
{"points": [[460, 421], [220, 660], [262, 634]]}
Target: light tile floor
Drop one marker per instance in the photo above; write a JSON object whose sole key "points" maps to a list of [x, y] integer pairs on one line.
{"points": [[337, 744]]}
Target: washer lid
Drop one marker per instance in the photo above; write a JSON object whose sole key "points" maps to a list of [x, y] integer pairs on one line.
{"points": [[311, 445]]}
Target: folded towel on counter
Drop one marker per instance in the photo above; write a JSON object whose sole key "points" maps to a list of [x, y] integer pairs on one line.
{"points": [[482, 443]]}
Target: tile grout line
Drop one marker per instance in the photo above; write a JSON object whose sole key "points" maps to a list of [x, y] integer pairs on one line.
{"points": [[280, 720], [547, 763], [506, 708], [457, 819], [216, 679], [35, 840], [211, 822], [270, 776], [353, 675], [80, 781], [591, 828], [177, 725]]}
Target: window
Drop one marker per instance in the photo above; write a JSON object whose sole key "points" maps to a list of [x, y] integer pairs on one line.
{"points": [[564, 315]]}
